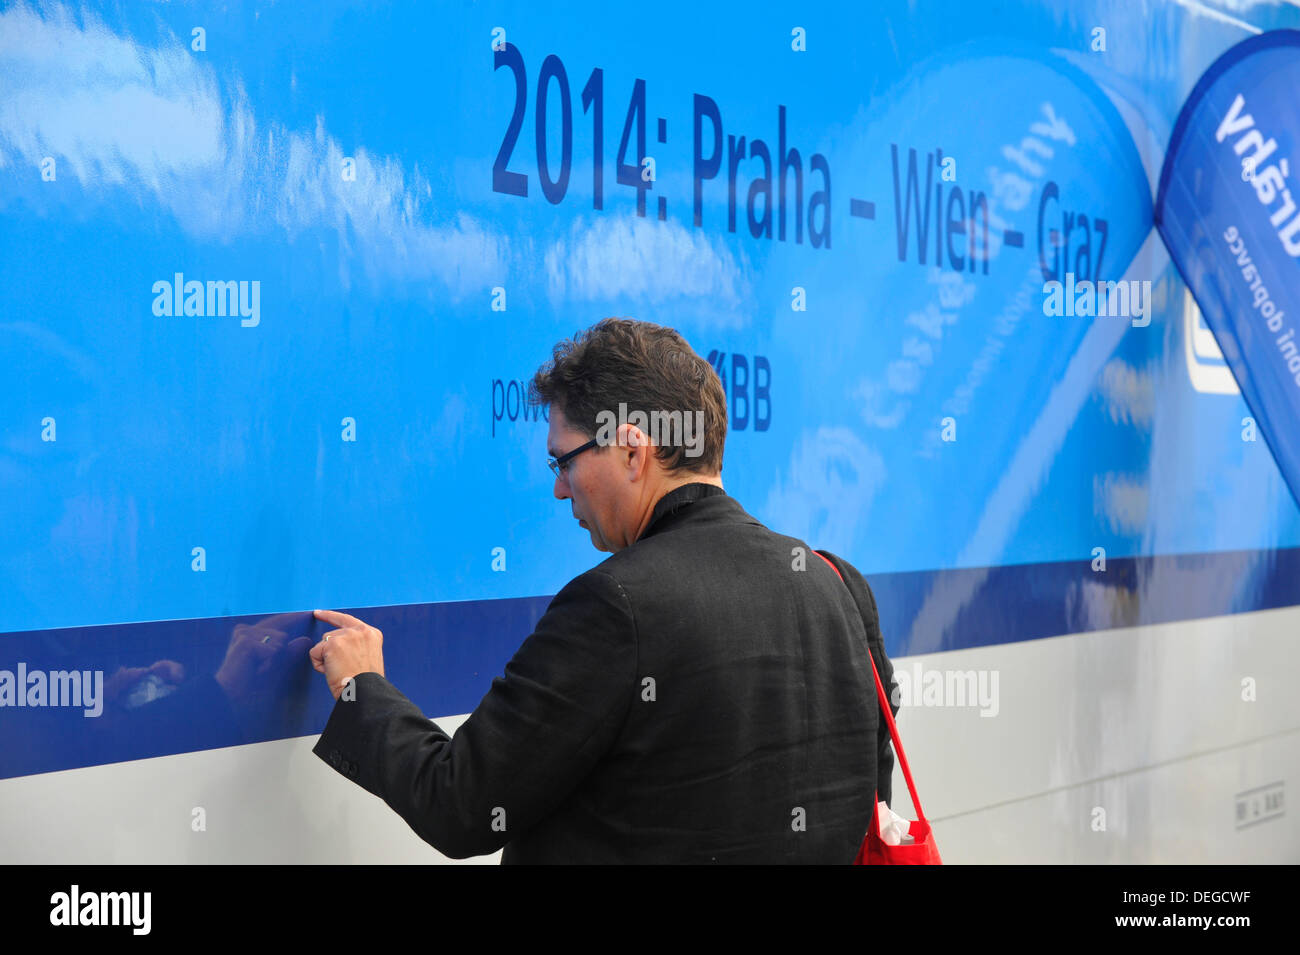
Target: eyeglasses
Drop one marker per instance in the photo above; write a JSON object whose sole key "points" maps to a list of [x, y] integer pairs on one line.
{"points": [[560, 465]]}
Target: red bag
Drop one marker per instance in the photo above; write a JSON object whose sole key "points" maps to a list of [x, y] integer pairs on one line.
{"points": [[874, 850]]}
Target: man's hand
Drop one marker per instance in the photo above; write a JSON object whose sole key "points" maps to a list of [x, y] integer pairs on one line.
{"points": [[343, 653]]}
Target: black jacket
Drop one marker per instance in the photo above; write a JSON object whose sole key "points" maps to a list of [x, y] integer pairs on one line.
{"points": [[703, 695]]}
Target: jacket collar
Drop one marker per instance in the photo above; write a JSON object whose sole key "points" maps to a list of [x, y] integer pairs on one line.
{"points": [[675, 500]]}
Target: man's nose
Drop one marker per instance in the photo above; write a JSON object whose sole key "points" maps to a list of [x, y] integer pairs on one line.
{"points": [[561, 489]]}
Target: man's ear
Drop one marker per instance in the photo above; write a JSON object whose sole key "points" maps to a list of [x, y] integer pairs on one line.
{"points": [[635, 443]]}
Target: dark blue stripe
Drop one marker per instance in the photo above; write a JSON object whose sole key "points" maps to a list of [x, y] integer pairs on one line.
{"points": [[444, 656], [980, 607]]}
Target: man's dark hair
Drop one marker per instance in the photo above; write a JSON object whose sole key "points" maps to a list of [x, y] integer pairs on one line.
{"points": [[648, 367]]}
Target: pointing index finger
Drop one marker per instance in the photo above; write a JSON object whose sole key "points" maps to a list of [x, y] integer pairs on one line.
{"points": [[336, 617]]}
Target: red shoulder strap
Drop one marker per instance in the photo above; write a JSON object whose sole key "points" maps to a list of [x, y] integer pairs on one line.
{"points": [[889, 717]]}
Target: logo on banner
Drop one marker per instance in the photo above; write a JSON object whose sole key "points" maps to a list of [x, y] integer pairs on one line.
{"points": [[1228, 210]]}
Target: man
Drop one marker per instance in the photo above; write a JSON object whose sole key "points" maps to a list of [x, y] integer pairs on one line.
{"points": [[702, 695]]}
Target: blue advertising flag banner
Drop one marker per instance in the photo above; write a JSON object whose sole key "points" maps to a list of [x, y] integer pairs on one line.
{"points": [[1230, 216]]}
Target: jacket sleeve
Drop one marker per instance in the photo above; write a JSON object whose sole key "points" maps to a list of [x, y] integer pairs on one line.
{"points": [[885, 667], [866, 601], [532, 739]]}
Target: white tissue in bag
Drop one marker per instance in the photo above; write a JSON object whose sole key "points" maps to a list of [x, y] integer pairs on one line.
{"points": [[893, 827]]}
